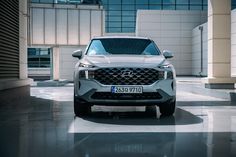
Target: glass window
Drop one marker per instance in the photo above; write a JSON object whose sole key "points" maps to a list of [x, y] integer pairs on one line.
{"points": [[126, 10], [122, 46], [114, 13], [195, 7], [195, 2], [154, 1], [181, 2], [114, 18], [128, 18], [114, 29], [128, 24], [114, 7], [31, 52], [106, 23], [128, 7], [35, 1], [114, 24], [105, 2], [60, 1], [233, 4], [142, 7], [168, 7], [74, 1], [44, 52], [97, 48], [150, 50], [128, 29], [114, 1], [205, 1], [141, 1], [181, 7], [128, 2], [38, 57], [169, 2], [46, 1], [155, 7], [129, 13]]}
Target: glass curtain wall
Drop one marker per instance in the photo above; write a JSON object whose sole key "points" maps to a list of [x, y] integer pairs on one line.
{"points": [[67, 1], [121, 14]]}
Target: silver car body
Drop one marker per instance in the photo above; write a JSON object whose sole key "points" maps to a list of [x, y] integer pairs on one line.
{"points": [[85, 88]]}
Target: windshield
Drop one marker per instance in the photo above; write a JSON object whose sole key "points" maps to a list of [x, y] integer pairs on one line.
{"points": [[122, 46]]}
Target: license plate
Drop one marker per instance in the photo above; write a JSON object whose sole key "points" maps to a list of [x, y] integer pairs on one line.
{"points": [[121, 89]]}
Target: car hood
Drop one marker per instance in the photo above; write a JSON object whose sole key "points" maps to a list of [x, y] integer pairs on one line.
{"points": [[124, 60]]}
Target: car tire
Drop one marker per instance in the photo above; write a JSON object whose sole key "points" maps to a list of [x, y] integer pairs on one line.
{"points": [[81, 109], [168, 109]]}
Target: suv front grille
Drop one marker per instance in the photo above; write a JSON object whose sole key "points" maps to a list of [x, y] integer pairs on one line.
{"points": [[127, 76], [122, 96]]}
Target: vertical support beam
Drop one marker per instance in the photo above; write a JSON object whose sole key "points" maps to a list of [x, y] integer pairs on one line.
{"points": [[55, 63], [23, 68], [219, 45]]}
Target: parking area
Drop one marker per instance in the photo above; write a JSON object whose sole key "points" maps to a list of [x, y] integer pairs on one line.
{"points": [[44, 125]]}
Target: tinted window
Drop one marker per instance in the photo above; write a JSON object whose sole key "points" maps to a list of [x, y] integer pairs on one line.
{"points": [[122, 46]]}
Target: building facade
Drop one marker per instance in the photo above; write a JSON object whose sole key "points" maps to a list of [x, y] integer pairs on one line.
{"points": [[62, 26], [13, 50]]}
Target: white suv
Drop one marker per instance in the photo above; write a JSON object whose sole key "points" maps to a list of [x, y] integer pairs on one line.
{"points": [[123, 71]]}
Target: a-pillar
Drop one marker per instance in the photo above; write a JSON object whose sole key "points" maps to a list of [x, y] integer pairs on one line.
{"points": [[55, 63], [219, 45]]}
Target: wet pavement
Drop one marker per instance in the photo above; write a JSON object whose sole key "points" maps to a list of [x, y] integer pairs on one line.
{"points": [[43, 125]]}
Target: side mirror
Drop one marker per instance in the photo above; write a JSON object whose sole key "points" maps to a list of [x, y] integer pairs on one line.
{"points": [[78, 54], [168, 54]]}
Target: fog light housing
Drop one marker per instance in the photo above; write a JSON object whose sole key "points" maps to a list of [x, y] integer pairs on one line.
{"points": [[161, 75], [86, 74], [170, 75], [82, 74]]}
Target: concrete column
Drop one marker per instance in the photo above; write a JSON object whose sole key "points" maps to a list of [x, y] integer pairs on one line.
{"points": [[219, 45], [55, 63], [23, 68]]}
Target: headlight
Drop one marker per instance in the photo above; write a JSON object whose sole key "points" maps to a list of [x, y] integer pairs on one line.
{"points": [[86, 65], [167, 70], [165, 66]]}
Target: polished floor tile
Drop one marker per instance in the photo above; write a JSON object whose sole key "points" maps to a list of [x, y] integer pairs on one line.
{"points": [[43, 125]]}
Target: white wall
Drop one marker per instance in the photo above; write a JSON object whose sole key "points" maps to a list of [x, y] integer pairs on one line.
{"points": [[171, 30], [64, 24], [64, 28], [196, 50], [39, 72], [233, 43], [67, 62]]}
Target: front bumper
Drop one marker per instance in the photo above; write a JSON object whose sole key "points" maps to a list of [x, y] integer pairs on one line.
{"points": [[86, 88]]}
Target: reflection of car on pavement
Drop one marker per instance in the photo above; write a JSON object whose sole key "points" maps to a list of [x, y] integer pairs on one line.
{"points": [[125, 144], [123, 71]]}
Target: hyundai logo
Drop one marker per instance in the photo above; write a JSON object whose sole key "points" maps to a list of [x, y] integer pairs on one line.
{"points": [[127, 73]]}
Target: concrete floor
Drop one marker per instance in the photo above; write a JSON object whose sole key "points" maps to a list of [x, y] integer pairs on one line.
{"points": [[43, 125]]}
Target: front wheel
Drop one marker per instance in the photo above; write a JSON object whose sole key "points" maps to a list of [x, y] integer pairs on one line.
{"points": [[81, 109], [168, 109]]}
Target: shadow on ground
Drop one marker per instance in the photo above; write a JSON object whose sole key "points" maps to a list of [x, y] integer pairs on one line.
{"points": [[181, 117]]}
